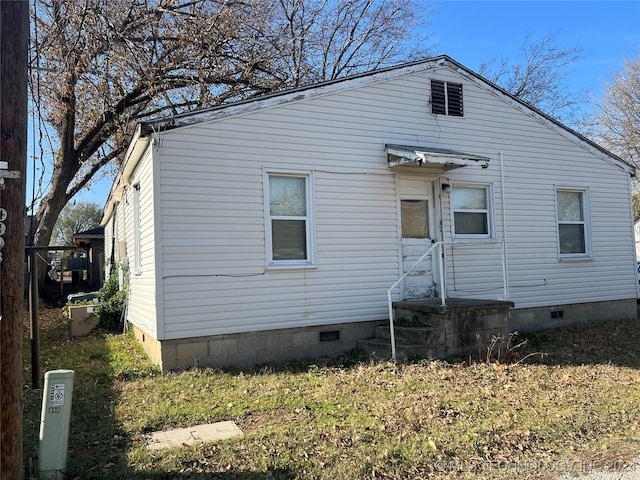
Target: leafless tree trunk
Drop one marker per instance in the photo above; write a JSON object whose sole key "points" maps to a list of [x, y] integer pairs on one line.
{"points": [[99, 66]]}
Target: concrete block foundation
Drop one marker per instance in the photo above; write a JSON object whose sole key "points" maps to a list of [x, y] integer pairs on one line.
{"points": [[248, 349], [548, 317], [449, 333]]}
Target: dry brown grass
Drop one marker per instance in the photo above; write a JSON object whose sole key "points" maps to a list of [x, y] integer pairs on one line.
{"points": [[353, 417]]}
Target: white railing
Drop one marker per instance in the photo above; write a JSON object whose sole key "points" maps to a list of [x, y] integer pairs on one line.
{"points": [[439, 246], [442, 292]]}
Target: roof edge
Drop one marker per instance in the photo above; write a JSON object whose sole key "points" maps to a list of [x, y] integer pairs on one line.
{"points": [[138, 145], [327, 86], [630, 168], [147, 128]]}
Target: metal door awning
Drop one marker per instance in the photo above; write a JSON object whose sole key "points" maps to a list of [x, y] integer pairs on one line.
{"points": [[402, 154]]}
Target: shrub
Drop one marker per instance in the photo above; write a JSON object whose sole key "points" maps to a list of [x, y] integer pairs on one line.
{"points": [[111, 304]]}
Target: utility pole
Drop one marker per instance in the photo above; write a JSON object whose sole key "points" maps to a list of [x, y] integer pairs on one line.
{"points": [[14, 44]]}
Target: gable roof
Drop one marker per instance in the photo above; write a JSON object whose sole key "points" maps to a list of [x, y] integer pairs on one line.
{"points": [[318, 89], [144, 130], [289, 95]]}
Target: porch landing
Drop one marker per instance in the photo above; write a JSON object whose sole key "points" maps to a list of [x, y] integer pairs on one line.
{"points": [[426, 329]]}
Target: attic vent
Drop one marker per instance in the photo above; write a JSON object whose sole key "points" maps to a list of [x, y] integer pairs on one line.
{"points": [[446, 98], [438, 103]]}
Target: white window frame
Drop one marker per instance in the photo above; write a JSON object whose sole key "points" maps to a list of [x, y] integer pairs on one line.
{"points": [[585, 222], [137, 261], [489, 212], [310, 261]]}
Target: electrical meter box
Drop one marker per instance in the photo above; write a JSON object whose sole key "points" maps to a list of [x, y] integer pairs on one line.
{"points": [[54, 424]]}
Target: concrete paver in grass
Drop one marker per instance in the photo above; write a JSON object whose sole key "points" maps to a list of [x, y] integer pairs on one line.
{"points": [[178, 437]]}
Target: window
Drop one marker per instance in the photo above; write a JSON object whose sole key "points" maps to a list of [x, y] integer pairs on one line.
{"points": [[573, 234], [446, 98], [415, 218], [471, 207], [289, 220], [136, 229]]}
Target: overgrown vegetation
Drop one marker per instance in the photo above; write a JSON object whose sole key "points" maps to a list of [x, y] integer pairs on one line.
{"points": [[112, 301], [352, 417]]}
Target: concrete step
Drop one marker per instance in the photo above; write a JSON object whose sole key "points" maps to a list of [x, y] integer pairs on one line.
{"points": [[412, 335], [415, 318], [427, 329]]}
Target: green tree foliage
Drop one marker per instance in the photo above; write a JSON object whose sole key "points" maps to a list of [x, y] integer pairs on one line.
{"points": [[101, 66], [76, 218]]}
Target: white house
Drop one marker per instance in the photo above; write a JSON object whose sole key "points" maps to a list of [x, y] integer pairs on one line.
{"points": [[273, 228]]}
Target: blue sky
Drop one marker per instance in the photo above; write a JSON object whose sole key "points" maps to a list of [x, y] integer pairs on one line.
{"points": [[472, 32]]}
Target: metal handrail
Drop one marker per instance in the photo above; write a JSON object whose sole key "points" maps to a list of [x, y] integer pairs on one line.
{"points": [[442, 285], [442, 294]]}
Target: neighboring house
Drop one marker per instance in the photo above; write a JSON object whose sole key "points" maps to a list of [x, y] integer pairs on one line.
{"points": [[272, 228], [91, 242]]}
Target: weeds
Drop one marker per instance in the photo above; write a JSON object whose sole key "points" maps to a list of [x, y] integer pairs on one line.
{"points": [[502, 349], [112, 302], [352, 417]]}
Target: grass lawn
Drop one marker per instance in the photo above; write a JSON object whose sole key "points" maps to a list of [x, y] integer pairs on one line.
{"points": [[352, 417]]}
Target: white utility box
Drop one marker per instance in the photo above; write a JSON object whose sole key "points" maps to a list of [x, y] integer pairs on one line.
{"points": [[54, 424]]}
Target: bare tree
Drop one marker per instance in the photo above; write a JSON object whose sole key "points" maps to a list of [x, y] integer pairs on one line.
{"points": [[538, 77], [324, 40], [103, 65], [617, 114], [99, 66], [615, 119]]}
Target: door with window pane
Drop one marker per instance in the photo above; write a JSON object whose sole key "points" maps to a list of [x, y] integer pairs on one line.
{"points": [[416, 222]]}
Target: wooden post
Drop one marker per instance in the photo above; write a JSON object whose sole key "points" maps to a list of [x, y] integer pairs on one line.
{"points": [[14, 41], [34, 314]]}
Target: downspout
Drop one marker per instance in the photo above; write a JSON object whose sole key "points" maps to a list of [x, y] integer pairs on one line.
{"points": [[505, 262], [633, 232], [441, 260], [112, 261]]}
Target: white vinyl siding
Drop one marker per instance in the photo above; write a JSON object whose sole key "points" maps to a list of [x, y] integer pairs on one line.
{"points": [[535, 157], [225, 281], [136, 208], [211, 194], [136, 230]]}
